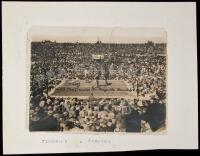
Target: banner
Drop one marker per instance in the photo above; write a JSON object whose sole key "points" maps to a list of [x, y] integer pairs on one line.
{"points": [[98, 57]]}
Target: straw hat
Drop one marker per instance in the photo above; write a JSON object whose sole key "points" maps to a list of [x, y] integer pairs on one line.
{"points": [[42, 103]]}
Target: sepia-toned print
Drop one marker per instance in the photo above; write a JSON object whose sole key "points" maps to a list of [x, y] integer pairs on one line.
{"points": [[97, 79]]}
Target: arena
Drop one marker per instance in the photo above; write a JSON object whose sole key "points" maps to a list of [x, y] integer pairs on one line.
{"points": [[98, 87]]}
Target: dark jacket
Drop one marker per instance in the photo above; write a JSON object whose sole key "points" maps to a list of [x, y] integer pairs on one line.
{"points": [[133, 122], [46, 124], [155, 115]]}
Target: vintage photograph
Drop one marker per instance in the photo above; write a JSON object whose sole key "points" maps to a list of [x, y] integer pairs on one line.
{"points": [[103, 79]]}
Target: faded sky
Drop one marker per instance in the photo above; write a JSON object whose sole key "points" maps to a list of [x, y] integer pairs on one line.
{"points": [[92, 34]]}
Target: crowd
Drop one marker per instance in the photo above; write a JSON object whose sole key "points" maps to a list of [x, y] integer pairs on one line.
{"points": [[141, 65], [96, 114]]}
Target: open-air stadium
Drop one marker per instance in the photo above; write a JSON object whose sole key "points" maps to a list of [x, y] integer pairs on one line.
{"points": [[100, 87]]}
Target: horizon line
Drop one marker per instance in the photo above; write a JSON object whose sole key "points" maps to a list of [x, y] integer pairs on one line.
{"points": [[97, 42]]}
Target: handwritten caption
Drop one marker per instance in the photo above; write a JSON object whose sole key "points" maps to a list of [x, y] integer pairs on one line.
{"points": [[64, 141]]}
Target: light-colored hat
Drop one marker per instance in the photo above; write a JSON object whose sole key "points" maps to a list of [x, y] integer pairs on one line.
{"points": [[35, 118], [65, 113], [31, 105], [95, 119], [160, 101], [56, 102], [151, 100], [55, 115], [102, 125], [49, 108], [60, 119], [37, 108], [48, 101], [143, 122], [97, 127], [50, 112], [42, 103], [117, 130], [32, 111], [113, 121], [89, 124], [109, 124]]}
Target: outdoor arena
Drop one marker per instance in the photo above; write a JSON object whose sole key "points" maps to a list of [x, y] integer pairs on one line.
{"points": [[98, 87]]}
